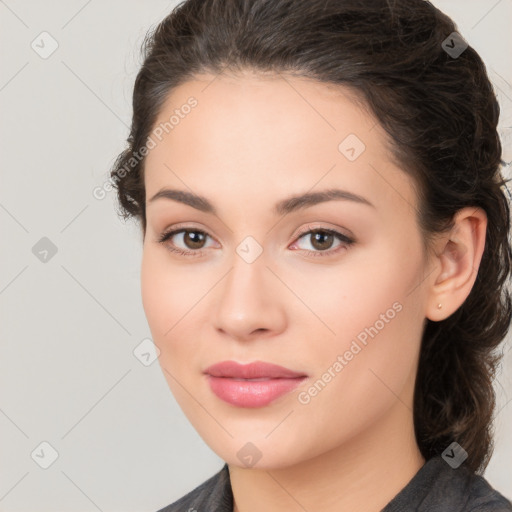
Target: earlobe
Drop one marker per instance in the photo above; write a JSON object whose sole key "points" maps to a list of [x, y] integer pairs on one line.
{"points": [[457, 260]]}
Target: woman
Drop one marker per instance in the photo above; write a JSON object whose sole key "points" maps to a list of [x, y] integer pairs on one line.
{"points": [[325, 250]]}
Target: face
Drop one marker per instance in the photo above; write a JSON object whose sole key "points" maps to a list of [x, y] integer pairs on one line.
{"points": [[327, 286]]}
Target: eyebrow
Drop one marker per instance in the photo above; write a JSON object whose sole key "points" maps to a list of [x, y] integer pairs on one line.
{"points": [[283, 207]]}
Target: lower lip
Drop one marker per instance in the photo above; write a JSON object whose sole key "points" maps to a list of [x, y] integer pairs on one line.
{"points": [[247, 393]]}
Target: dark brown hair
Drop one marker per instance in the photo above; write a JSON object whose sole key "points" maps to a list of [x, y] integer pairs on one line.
{"points": [[440, 113]]}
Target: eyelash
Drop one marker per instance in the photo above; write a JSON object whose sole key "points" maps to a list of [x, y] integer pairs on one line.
{"points": [[346, 241]]}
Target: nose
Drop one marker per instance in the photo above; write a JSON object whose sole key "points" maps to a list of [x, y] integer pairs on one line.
{"points": [[250, 301]]}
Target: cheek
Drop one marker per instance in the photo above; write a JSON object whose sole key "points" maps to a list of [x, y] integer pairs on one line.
{"points": [[366, 311], [163, 293], [171, 298], [167, 291], [154, 300], [344, 300], [360, 374]]}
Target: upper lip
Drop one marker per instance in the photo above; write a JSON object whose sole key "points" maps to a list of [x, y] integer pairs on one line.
{"points": [[255, 370]]}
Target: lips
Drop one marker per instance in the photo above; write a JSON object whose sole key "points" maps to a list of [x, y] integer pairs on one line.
{"points": [[252, 385], [257, 370]]}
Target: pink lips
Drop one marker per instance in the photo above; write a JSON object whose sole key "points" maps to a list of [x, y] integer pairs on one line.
{"points": [[229, 381]]}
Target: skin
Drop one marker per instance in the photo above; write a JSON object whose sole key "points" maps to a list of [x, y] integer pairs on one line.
{"points": [[251, 141]]}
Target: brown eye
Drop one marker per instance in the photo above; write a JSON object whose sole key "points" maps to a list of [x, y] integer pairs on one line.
{"points": [[194, 239], [184, 241], [321, 240]]}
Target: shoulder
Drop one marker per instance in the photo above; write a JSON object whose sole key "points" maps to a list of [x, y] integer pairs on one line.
{"points": [[476, 493], [213, 495], [437, 487], [483, 498]]}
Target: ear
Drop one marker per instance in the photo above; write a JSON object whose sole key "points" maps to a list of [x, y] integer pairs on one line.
{"points": [[456, 262]]}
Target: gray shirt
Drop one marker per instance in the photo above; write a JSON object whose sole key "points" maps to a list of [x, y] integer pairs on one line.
{"points": [[436, 487]]}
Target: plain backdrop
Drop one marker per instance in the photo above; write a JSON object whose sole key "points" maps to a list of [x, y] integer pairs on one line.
{"points": [[113, 437]]}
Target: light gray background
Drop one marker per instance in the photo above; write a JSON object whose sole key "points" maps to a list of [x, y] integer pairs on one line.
{"points": [[69, 326]]}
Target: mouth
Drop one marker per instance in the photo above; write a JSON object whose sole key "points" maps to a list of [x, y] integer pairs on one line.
{"points": [[249, 380], [252, 371], [253, 385]]}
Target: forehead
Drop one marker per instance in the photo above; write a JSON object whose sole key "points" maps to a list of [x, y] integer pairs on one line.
{"points": [[266, 106], [270, 132]]}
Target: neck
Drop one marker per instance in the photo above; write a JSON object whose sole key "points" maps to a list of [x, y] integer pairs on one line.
{"points": [[364, 474]]}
